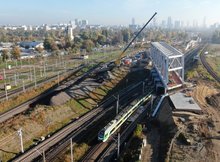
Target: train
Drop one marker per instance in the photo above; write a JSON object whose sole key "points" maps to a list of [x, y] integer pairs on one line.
{"points": [[113, 126]]}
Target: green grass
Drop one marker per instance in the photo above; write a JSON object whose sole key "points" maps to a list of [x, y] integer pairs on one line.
{"points": [[198, 72], [214, 62], [46, 119]]}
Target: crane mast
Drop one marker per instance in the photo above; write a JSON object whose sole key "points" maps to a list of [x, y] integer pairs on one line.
{"points": [[117, 62]]}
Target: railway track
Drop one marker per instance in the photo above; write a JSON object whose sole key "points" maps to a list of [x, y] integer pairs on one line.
{"points": [[209, 68], [111, 149], [18, 91], [26, 105], [188, 57], [57, 137], [103, 151], [109, 106], [60, 140]]}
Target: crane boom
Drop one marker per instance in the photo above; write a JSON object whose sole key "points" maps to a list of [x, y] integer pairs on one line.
{"points": [[117, 62]]}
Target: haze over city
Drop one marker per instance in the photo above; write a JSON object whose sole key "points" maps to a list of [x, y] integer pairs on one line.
{"points": [[109, 80], [111, 12]]}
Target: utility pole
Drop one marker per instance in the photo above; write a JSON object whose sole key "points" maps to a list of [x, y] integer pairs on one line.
{"points": [[58, 78], [15, 77], [44, 158], [118, 151], [4, 74], [143, 88], [30, 74], [21, 140], [23, 85], [35, 82], [44, 70], [71, 148], [6, 92], [117, 104], [152, 99]]}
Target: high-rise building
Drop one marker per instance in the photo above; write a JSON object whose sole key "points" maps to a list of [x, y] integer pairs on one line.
{"points": [[177, 24], [81, 23], [133, 26], [163, 24], [133, 21], [182, 24], [78, 22], [84, 23], [169, 23], [70, 32]]}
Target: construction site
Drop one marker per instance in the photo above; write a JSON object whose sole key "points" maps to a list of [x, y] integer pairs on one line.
{"points": [[152, 104]]}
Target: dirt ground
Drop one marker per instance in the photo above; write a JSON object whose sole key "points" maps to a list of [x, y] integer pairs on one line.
{"points": [[198, 136]]}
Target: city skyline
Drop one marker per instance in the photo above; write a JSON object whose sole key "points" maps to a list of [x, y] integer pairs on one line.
{"points": [[106, 12]]}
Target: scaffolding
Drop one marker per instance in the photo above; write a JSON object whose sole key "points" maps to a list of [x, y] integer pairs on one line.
{"points": [[169, 63]]}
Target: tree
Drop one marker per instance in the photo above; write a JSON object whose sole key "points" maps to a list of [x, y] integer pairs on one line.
{"points": [[216, 37], [16, 52], [84, 35], [138, 131], [50, 44], [105, 32], [68, 42], [126, 35], [47, 43], [54, 46], [101, 39], [117, 39], [4, 55], [88, 45]]}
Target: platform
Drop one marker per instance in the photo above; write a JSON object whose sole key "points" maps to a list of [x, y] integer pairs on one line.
{"points": [[183, 103]]}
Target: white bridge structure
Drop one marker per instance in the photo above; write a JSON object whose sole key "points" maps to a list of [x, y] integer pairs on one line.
{"points": [[169, 64]]}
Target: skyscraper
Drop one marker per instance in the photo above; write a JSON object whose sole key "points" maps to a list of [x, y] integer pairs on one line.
{"points": [[169, 23], [70, 32], [133, 26], [133, 21], [177, 24], [163, 24]]}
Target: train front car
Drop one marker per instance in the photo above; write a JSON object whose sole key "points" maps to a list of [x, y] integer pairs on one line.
{"points": [[102, 135]]}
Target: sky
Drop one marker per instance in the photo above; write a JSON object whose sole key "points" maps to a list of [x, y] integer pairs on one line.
{"points": [[106, 12]]}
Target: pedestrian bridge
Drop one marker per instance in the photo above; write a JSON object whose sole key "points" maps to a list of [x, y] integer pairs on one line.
{"points": [[168, 65]]}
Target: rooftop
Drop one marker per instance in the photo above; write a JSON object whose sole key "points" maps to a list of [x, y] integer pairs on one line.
{"points": [[166, 49]]}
